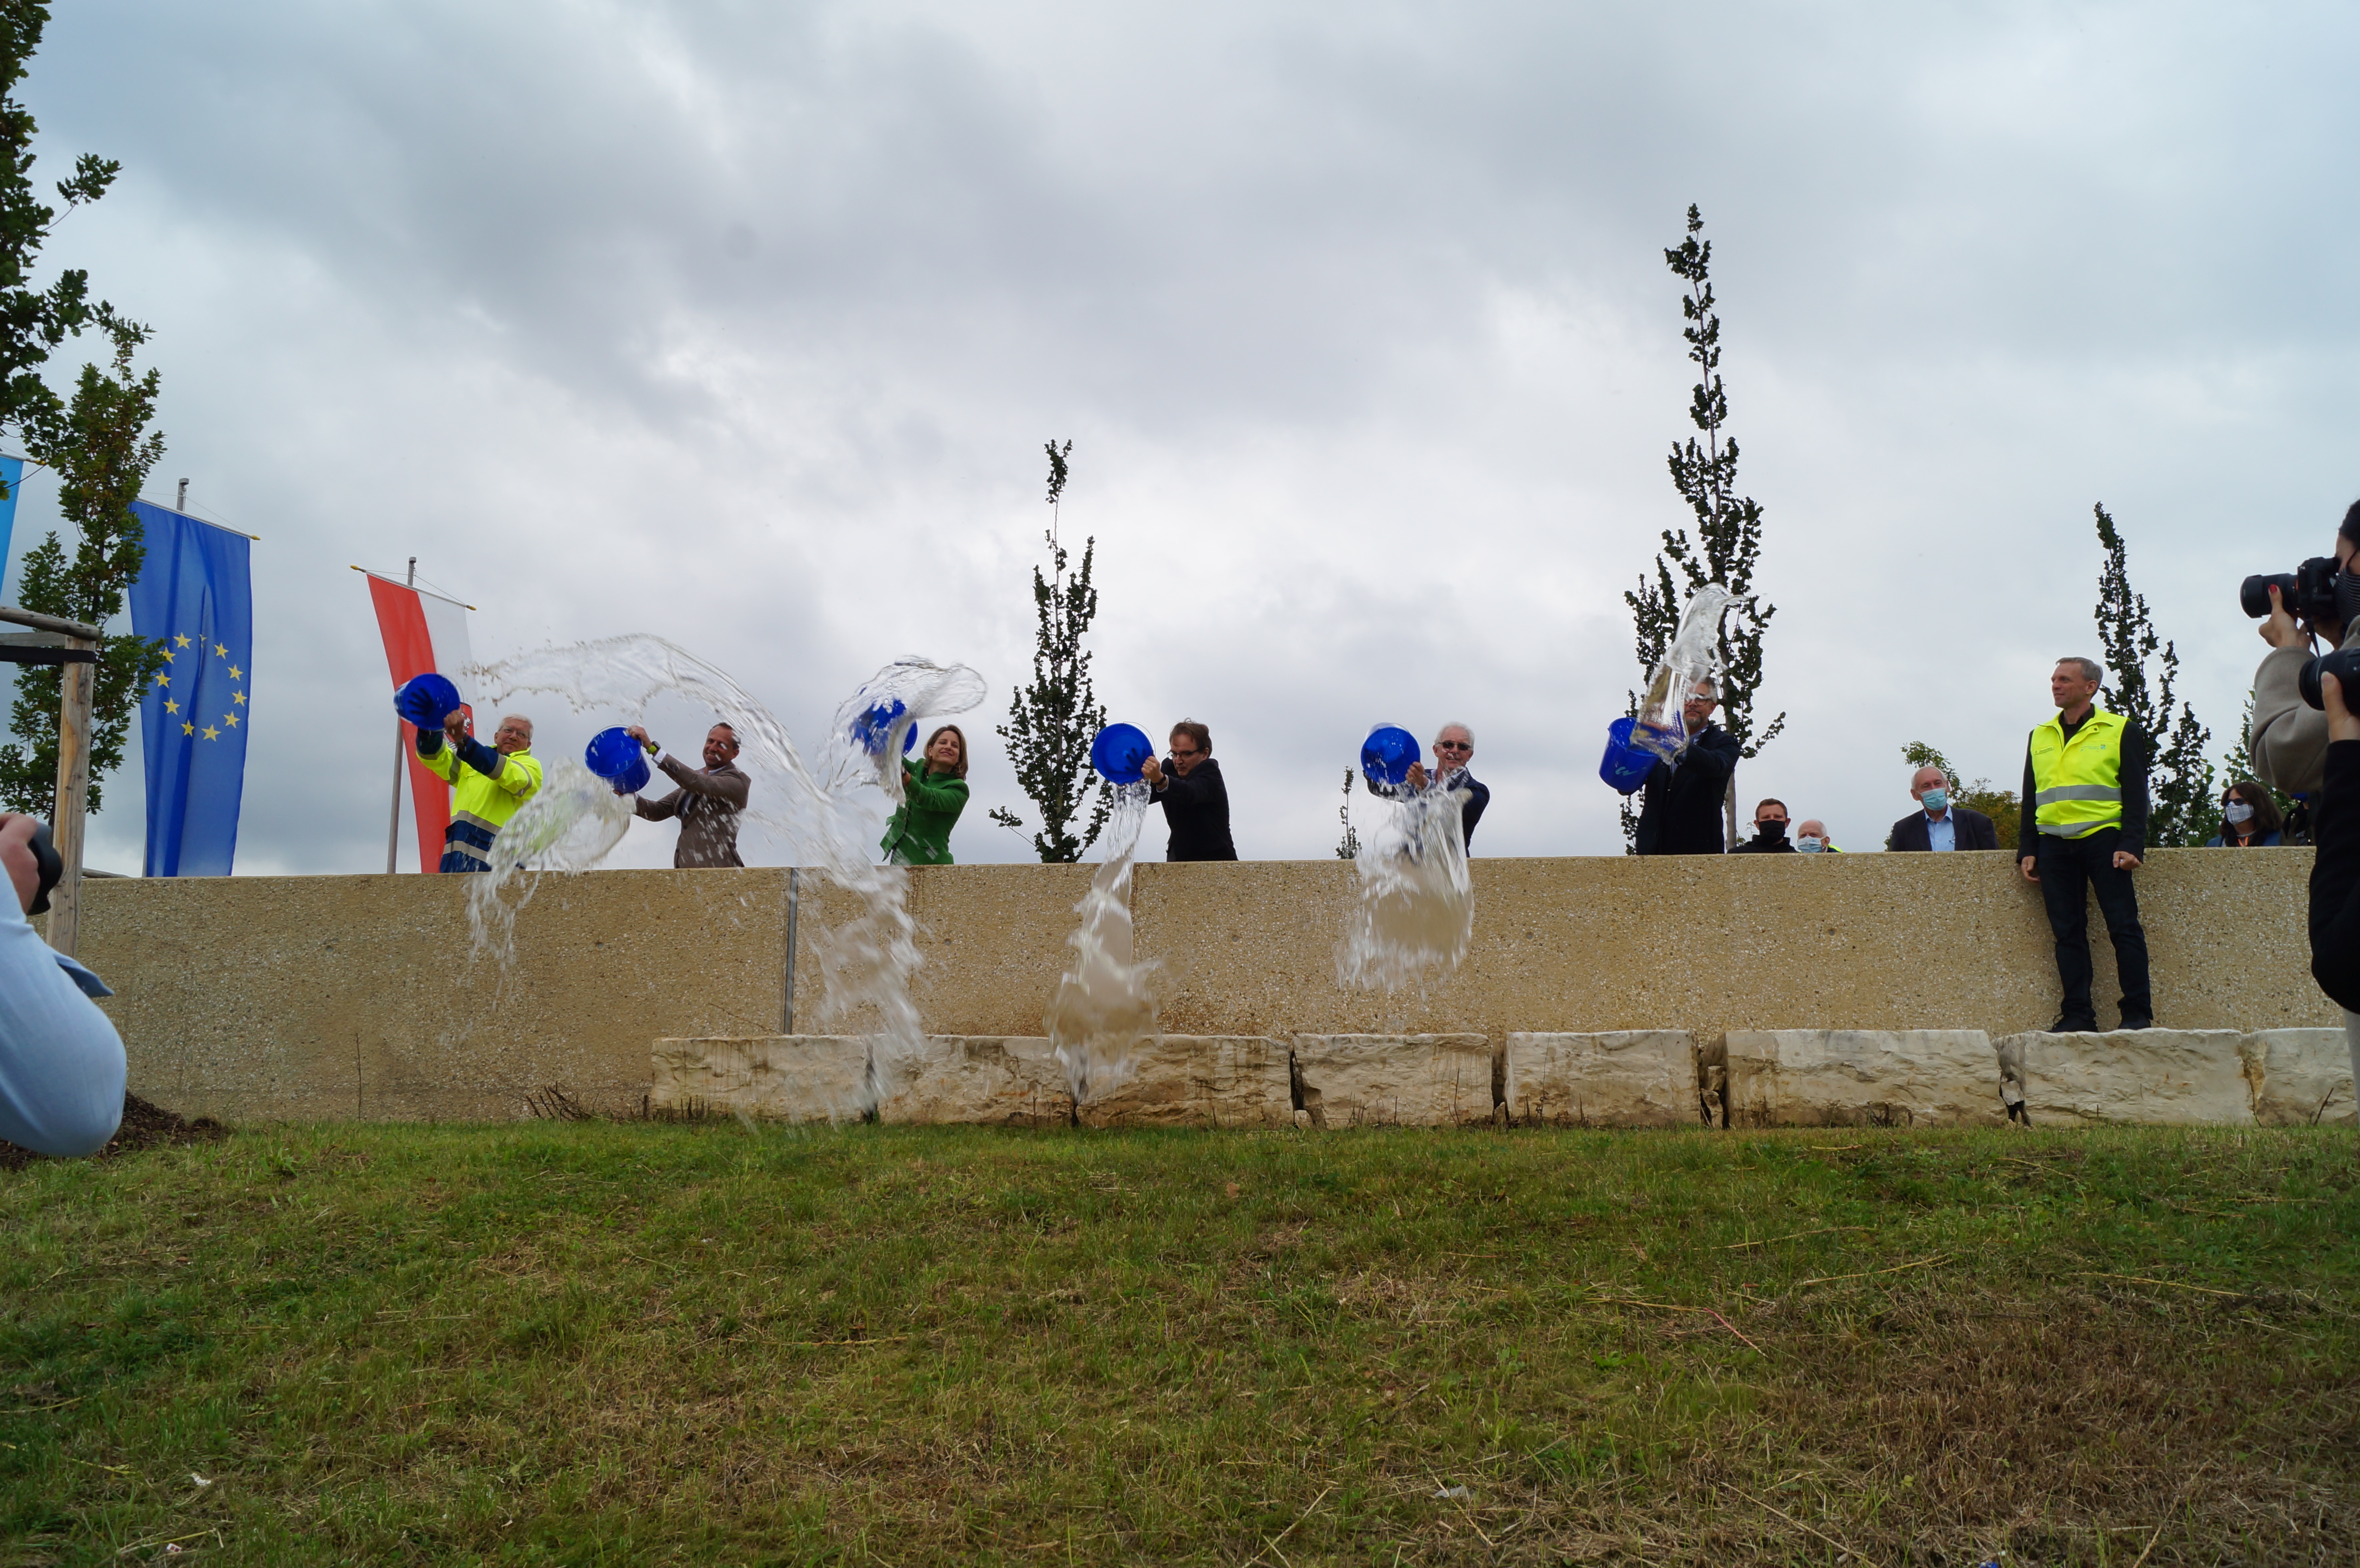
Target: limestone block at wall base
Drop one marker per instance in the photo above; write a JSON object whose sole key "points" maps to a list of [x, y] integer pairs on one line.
{"points": [[1626, 1078], [1394, 1080], [1862, 1078], [1182, 1080], [2150, 1077], [2300, 1076], [977, 1080], [782, 1077]]}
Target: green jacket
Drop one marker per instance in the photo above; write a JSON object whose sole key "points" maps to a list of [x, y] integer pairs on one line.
{"points": [[920, 832]]}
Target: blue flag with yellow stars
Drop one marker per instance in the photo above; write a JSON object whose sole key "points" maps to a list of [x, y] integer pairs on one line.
{"points": [[194, 595]]}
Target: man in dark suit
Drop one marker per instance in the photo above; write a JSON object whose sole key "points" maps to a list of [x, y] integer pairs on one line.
{"points": [[1454, 749], [1187, 785], [1681, 811], [1938, 825]]}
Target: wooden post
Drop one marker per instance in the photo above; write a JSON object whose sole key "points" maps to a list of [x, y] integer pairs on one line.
{"points": [[73, 789]]}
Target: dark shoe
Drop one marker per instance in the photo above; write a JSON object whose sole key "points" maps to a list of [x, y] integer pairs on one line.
{"points": [[2136, 1021], [2073, 1026]]}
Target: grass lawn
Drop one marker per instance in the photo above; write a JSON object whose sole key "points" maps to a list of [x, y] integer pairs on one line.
{"points": [[703, 1342]]}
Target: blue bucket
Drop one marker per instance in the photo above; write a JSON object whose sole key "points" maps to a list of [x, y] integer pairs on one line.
{"points": [[1119, 753], [426, 700], [872, 729], [621, 761], [1387, 755], [1625, 766]]}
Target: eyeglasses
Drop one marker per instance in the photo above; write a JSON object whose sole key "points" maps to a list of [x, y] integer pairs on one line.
{"points": [[1185, 751], [1453, 746]]}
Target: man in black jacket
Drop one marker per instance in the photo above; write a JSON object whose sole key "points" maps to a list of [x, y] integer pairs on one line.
{"points": [[2335, 869], [1769, 831], [1454, 749], [1195, 806], [1680, 810], [1936, 823]]}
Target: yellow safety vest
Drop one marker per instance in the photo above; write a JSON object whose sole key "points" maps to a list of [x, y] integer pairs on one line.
{"points": [[2077, 784]]}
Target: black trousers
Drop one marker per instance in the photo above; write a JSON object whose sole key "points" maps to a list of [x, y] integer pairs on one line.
{"points": [[2068, 866]]}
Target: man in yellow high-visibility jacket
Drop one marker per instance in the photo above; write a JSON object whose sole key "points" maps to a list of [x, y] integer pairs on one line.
{"points": [[488, 784], [2084, 826]]}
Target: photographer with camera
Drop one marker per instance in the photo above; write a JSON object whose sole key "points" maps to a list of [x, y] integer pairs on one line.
{"points": [[2319, 599], [61, 1065], [2335, 874]]}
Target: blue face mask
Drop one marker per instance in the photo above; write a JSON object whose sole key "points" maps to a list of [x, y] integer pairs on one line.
{"points": [[1935, 800]]}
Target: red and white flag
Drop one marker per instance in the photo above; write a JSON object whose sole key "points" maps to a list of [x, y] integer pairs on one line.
{"points": [[423, 632]]}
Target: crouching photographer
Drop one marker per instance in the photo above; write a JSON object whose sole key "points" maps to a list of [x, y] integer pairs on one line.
{"points": [[2335, 874], [61, 1065], [2320, 599]]}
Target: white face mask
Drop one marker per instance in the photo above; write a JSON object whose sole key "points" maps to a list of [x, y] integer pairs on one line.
{"points": [[2238, 811], [1808, 845]]}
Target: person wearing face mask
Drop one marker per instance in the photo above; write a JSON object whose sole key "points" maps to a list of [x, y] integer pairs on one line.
{"points": [[1811, 838], [1769, 831], [1680, 809], [1938, 824], [2288, 738], [2249, 819]]}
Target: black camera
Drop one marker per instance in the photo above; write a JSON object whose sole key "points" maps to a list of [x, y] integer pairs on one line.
{"points": [[53, 864], [2308, 592], [2343, 663]]}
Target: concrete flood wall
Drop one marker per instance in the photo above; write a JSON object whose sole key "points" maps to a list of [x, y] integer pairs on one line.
{"points": [[358, 996]]}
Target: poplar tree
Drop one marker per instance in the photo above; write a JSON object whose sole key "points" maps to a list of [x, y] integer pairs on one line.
{"points": [[2179, 775], [1051, 721], [1728, 540]]}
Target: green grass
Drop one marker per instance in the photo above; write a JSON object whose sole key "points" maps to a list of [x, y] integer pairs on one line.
{"points": [[631, 1343]]}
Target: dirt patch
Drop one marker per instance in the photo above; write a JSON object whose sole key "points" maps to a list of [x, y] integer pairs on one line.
{"points": [[143, 1126]]}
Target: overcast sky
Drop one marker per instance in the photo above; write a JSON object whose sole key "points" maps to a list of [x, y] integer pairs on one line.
{"points": [[743, 325]]}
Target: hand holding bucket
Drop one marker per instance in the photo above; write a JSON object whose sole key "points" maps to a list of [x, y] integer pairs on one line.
{"points": [[426, 700], [613, 755], [1625, 766], [1119, 753], [1388, 754]]}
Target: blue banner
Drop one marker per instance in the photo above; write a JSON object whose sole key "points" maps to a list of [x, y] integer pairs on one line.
{"points": [[194, 594], [12, 473]]}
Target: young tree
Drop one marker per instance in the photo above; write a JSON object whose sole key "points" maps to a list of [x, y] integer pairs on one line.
{"points": [[103, 450], [1052, 721], [1728, 532], [2179, 776], [33, 321], [1349, 846]]}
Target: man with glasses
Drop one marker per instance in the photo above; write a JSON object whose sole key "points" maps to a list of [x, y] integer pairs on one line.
{"points": [[1195, 805], [1679, 814], [1454, 749]]}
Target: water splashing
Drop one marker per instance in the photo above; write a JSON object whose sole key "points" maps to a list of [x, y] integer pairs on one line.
{"points": [[1104, 1010], [1415, 915], [865, 962]]}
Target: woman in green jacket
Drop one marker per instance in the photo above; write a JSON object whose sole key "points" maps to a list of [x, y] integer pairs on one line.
{"points": [[933, 793]]}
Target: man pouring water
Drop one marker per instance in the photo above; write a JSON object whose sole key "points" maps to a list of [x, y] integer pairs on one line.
{"points": [[707, 803]]}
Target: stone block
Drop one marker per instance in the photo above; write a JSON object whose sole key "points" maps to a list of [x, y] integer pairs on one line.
{"points": [[780, 1077], [2299, 1077], [2142, 1077], [1862, 1078], [1207, 1081], [978, 1080], [1394, 1080], [1625, 1078]]}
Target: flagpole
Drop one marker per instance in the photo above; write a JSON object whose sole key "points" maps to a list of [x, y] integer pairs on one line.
{"points": [[401, 760]]}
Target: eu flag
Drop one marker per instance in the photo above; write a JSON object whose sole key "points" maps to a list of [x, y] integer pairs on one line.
{"points": [[194, 595]]}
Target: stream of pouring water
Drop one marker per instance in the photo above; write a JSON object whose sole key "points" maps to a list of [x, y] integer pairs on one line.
{"points": [[1413, 918], [1104, 1010], [576, 818]]}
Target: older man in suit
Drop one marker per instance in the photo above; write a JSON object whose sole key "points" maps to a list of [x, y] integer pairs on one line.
{"points": [[1937, 823]]}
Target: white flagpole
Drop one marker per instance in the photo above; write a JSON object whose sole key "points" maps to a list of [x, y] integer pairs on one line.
{"points": [[401, 760]]}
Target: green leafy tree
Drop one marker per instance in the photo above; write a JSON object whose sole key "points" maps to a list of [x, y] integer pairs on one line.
{"points": [[103, 450], [1728, 540], [2003, 807], [1053, 720], [34, 322], [2179, 773]]}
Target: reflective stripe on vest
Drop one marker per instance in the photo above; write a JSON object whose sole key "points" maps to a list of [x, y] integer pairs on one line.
{"points": [[2078, 783]]}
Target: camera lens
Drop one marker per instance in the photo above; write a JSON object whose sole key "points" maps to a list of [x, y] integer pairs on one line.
{"points": [[2343, 664], [2253, 593], [52, 865]]}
